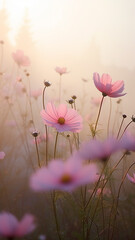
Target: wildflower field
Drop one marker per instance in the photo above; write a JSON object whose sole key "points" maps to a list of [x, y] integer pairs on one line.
{"points": [[67, 120], [66, 173]]}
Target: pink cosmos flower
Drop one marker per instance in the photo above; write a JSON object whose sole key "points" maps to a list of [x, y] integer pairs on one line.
{"points": [[96, 149], [10, 227], [10, 123], [36, 93], [105, 192], [21, 59], [105, 85], [62, 118], [96, 101], [61, 70], [131, 179], [42, 138], [128, 142], [62, 175], [19, 88], [2, 155]]}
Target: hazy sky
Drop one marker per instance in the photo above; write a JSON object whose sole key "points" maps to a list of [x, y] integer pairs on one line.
{"points": [[64, 31], [68, 25]]}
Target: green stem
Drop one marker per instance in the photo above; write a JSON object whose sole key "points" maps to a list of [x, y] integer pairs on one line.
{"points": [[92, 219], [46, 144], [126, 128], [94, 191], [109, 118], [117, 201], [43, 97], [98, 116], [46, 132], [55, 216], [60, 89], [56, 140], [37, 153], [74, 105], [29, 99], [120, 128]]}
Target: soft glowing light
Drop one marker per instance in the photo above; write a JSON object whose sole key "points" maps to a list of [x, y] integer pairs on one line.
{"points": [[45, 14]]}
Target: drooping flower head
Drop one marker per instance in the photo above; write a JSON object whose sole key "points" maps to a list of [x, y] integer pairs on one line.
{"points": [[61, 70], [104, 84], [21, 59], [62, 118], [10, 227], [66, 176]]}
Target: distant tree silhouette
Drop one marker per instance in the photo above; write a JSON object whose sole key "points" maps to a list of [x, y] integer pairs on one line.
{"points": [[24, 38], [5, 48], [25, 42]]}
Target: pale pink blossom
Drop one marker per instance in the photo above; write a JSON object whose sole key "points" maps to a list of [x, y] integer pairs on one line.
{"points": [[96, 149], [61, 70], [19, 88], [42, 237], [128, 142], [6, 92], [131, 179], [41, 138], [62, 118], [19, 79], [105, 85], [36, 93], [64, 176], [10, 227], [10, 123], [105, 191], [2, 155], [21, 59], [96, 101]]}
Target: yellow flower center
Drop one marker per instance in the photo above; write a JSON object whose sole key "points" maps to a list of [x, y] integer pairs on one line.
{"points": [[61, 120], [65, 179]]}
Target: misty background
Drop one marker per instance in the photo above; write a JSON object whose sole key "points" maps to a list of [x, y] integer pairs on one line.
{"points": [[84, 36]]}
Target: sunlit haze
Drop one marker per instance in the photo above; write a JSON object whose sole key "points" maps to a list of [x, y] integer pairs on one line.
{"points": [[85, 36], [67, 119]]}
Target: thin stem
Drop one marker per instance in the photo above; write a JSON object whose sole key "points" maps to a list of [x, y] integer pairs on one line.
{"points": [[126, 128], [94, 191], [108, 124], [117, 201], [2, 53], [74, 105], [43, 97], [83, 196], [101, 195], [46, 145], [98, 116], [56, 140], [60, 89], [55, 215], [46, 131], [37, 152], [70, 145], [29, 99], [76, 142], [21, 135], [120, 128], [115, 119]]}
